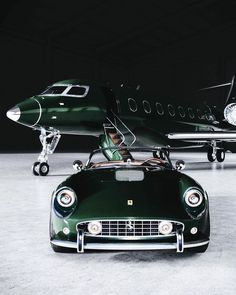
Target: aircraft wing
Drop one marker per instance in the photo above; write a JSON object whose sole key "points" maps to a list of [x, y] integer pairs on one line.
{"points": [[203, 136]]}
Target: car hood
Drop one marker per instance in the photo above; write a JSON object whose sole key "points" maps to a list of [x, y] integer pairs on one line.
{"points": [[101, 196]]}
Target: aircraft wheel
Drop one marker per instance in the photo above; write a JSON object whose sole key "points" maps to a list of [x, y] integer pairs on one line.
{"points": [[35, 168], [211, 156], [43, 169], [162, 155], [220, 155]]}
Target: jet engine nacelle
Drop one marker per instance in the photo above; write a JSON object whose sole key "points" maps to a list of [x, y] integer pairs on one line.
{"points": [[230, 113]]}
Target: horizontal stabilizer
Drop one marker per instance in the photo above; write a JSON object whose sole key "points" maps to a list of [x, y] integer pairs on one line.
{"points": [[216, 86]]}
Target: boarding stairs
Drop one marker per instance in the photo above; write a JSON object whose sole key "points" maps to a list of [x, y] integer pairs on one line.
{"points": [[117, 135]]}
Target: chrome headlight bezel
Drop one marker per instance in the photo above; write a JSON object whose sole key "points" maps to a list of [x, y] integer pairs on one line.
{"points": [[165, 227], [98, 227], [69, 196], [197, 193], [62, 209]]}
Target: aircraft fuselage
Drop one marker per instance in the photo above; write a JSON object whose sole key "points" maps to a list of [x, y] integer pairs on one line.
{"points": [[84, 108]]}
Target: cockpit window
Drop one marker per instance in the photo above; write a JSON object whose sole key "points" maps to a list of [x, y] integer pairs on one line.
{"points": [[55, 90], [77, 91], [67, 90]]}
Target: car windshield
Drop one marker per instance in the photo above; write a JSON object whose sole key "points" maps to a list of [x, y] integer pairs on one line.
{"points": [[153, 159]]}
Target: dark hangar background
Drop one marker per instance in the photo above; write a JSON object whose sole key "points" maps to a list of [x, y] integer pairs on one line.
{"points": [[171, 47]]}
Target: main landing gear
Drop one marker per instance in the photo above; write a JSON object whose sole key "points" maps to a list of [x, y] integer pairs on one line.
{"points": [[49, 143], [215, 153], [161, 154]]}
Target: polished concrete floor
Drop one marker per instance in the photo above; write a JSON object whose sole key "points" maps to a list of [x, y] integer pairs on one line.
{"points": [[29, 266]]}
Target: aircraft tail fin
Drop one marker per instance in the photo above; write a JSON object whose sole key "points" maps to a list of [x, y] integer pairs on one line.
{"points": [[229, 87]]}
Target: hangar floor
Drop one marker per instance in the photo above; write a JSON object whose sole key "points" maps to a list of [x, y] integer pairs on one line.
{"points": [[29, 266]]}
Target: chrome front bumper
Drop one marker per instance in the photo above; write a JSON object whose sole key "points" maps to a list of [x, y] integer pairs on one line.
{"points": [[179, 245]]}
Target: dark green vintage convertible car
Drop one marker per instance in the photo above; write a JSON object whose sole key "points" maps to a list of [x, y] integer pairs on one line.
{"points": [[138, 202]]}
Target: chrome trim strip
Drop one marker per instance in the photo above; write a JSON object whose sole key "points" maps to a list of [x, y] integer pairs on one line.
{"points": [[40, 112], [129, 246], [204, 136], [136, 106], [191, 113], [171, 110], [161, 110], [181, 111], [132, 238], [117, 130], [147, 111], [127, 128], [193, 245]]}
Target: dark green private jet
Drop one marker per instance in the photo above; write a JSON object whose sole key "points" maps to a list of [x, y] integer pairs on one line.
{"points": [[138, 202], [126, 115]]}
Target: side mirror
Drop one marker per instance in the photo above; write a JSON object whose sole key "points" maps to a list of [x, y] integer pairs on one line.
{"points": [[180, 165], [78, 165]]}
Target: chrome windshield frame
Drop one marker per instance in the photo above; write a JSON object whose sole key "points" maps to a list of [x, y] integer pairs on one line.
{"points": [[134, 149]]}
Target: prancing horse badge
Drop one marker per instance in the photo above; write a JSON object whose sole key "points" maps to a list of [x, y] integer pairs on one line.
{"points": [[130, 202]]}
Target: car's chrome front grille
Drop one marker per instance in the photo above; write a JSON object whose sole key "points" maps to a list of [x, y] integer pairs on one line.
{"points": [[130, 228]]}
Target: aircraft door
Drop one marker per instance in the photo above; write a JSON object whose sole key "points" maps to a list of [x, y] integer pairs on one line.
{"points": [[111, 103]]}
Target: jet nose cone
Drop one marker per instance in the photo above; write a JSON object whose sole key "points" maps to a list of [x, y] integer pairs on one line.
{"points": [[14, 114]]}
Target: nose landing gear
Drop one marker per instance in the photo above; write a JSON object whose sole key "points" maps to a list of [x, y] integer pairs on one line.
{"points": [[49, 143]]}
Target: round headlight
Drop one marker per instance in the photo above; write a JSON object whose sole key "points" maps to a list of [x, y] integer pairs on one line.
{"points": [[66, 197], [193, 230], [193, 197], [165, 227], [95, 227]]}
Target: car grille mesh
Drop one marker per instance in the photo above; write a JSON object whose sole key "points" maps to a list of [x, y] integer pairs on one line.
{"points": [[126, 228]]}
